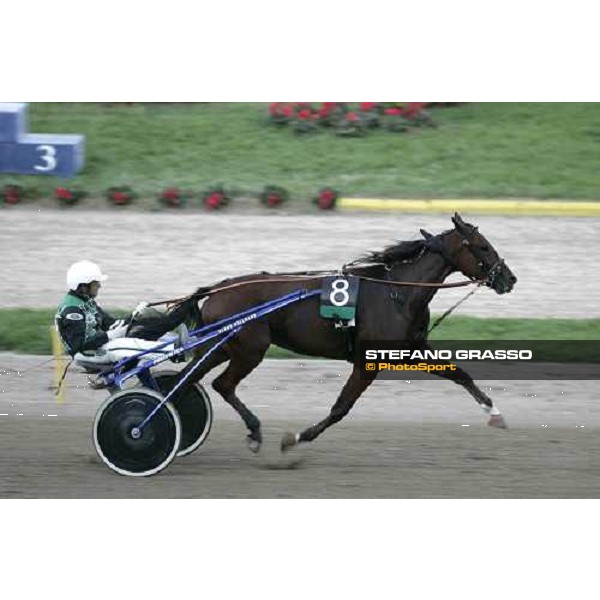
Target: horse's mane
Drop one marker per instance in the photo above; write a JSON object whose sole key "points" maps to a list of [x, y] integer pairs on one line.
{"points": [[401, 250], [393, 253]]}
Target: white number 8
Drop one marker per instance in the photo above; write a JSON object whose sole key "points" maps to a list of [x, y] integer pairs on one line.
{"points": [[48, 156], [338, 290]]}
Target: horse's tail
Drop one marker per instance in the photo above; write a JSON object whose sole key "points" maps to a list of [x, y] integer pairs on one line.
{"points": [[188, 311], [200, 293]]}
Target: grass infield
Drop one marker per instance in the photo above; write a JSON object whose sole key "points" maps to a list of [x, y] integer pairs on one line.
{"points": [[27, 330], [480, 150]]}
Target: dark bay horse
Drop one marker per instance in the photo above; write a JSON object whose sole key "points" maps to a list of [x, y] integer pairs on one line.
{"points": [[299, 327]]}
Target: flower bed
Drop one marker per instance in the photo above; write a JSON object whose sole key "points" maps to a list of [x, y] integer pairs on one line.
{"points": [[12, 194], [215, 199], [172, 197], [68, 196], [273, 196], [350, 119], [120, 195], [326, 199]]}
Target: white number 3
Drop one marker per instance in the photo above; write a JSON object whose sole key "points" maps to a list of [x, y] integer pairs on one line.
{"points": [[49, 158]]}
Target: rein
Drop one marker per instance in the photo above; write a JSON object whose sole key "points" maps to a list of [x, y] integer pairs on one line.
{"points": [[440, 319], [419, 284], [216, 289]]}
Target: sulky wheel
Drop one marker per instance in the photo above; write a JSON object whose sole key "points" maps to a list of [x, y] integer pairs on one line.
{"points": [[130, 451], [194, 409]]}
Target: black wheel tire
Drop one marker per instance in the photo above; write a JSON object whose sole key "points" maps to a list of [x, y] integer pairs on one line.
{"points": [[194, 409], [153, 450]]}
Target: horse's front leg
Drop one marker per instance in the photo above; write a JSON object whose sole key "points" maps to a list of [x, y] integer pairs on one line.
{"points": [[462, 378], [350, 393]]}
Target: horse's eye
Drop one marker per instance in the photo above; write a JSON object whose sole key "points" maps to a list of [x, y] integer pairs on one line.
{"points": [[485, 248]]}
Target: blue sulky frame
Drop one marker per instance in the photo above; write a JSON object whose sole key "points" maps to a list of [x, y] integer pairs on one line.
{"points": [[228, 328]]}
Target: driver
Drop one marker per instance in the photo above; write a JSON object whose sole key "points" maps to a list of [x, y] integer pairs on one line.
{"points": [[91, 335]]}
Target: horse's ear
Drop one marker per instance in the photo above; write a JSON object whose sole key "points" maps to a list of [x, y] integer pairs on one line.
{"points": [[426, 234], [458, 222]]}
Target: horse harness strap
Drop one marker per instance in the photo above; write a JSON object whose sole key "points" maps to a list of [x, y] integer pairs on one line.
{"points": [[338, 303], [395, 294], [215, 289], [451, 309]]}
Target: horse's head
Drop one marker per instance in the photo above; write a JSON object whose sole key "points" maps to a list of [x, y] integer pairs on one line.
{"points": [[473, 255]]}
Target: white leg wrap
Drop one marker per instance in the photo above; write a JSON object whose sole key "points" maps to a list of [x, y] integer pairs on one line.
{"points": [[490, 411]]}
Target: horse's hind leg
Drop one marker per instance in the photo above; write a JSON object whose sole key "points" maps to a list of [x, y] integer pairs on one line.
{"points": [[350, 393], [240, 366], [218, 357]]}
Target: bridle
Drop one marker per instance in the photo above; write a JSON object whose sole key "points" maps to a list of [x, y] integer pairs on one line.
{"points": [[436, 245]]}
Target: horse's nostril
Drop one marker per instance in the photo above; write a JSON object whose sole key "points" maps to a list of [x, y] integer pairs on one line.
{"points": [[513, 279]]}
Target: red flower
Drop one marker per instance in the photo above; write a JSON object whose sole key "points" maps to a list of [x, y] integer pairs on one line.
{"points": [[366, 106], [273, 200], [414, 108], [329, 105], [120, 197], [305, 114], [395, 111], [352, 117], [324, 112], [281, 110], [273, 196], [63, 194], [172, 197], [171, 194], [12, 195], [215, 200], [326, 199]]}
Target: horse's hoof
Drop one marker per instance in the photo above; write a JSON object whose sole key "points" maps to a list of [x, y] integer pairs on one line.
{"points": [[289, 440], [253, 444], [497, 421]]}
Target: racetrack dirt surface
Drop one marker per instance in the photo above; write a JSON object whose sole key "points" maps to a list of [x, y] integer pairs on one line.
{"points": [[401, 441]]}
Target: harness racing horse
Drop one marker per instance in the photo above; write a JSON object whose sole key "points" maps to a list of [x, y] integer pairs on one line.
{"points": [[298, 327]]}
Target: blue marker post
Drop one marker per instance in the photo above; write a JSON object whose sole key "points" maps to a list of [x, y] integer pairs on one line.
{"points": [[25, 153]]}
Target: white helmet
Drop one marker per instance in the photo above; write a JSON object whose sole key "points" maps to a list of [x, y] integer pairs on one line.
{"points": [[83, 271]]}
